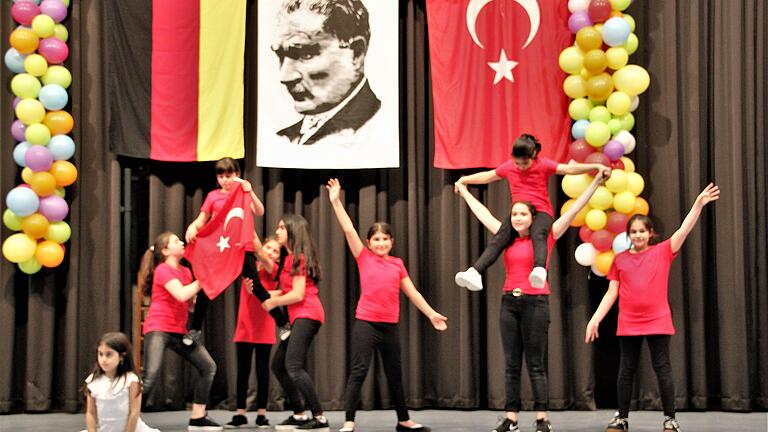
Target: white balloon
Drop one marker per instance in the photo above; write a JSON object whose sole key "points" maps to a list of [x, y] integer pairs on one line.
{"points": [[578, 5], [627, 140], [634, 103], [585, 254], [621, 243]]}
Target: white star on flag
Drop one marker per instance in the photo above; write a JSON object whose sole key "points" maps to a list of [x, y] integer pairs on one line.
{"points": [[503, 68], [223, 243]]}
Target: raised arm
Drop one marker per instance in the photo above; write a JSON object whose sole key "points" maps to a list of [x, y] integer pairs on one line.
{"points": [[580, 168], [483, 177], [438, 321], [560, 226], [262, 255], [481, 212], [353, 239], [195, 226], [709, 194], [605, 305], [257, 207]]}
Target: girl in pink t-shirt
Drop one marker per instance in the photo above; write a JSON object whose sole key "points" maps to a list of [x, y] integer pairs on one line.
{"points": [[382, 277], [524, 311], [639, 278]]}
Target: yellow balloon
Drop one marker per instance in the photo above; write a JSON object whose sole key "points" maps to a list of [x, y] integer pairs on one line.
{"points": [[25, 86], [603, 261], [631, 79], [571, 60], [602, 199], [600, 86], [580, 217], [35, 65], [629, 165], [35, 225], [631, 21], [597, 134], [60, 32], [30, 111], [43, 25], [624, 202], [57, 75], [575, 86], [19, 247], [596, 219], [617, 57], [589, 38], [618, 103], [579, 109], [37, 134], [26, 175], [632, 44], [635, 183], [575, 184], [30, 266], [617, 182], [595, 61]]}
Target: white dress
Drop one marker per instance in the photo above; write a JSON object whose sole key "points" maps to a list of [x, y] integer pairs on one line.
{"points": [[112, 399]]}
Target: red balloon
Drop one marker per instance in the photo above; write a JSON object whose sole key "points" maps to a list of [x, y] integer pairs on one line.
{"points": [[599, 10], [598, 158], [585, 233], [617, 164], [579, 150], [602, 240], [617, 222]]}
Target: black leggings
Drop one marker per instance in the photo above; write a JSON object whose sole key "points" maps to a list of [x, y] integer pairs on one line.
{"points": [[540, 228], [367, 337], [245, 352], [289, 366], [630, 355], [250, 270]]}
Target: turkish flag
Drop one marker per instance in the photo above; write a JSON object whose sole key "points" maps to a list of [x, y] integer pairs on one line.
{"points": [[218, 252], [495, 76]]}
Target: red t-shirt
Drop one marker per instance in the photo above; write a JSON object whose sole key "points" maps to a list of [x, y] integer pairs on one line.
{"points": [[310, 307], [379, 287], [643, 287], [254, 324], [531, 184], [518, 263], [165, 312], [213, 203]]}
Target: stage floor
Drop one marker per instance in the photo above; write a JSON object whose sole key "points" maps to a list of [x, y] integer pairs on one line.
{"points": [[438, 420]]}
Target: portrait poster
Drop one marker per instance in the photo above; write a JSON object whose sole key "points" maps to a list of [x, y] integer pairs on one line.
{"points": [[328, 89]]}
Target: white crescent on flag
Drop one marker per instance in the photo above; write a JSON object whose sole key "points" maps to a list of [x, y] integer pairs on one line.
{"points": [[531, 8], [236, 212]]}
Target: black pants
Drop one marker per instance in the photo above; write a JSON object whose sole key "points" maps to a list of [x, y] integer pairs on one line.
{"points": [[289, 366], [367, 337], [250, 270], [524, 330], [540, 228], [245, 352], [155, 344], [630, 355]]}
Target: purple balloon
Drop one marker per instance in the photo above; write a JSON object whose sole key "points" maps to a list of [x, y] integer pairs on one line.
{"points": [[54, 50], [54, 9], [16, 101], [17, 130], [578, 20], [54, 208], [614, 150], [39, 158]]}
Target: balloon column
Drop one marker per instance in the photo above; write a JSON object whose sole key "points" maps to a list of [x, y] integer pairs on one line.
{"points": [[605, 90], [36, 208]]}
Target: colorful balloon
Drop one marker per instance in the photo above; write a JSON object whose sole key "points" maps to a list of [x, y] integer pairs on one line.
{"points": [[49, 253], [25, 86], [36, 65], [57, 75], [64, 172], [53, 97], [55, 9], [30, 111], [24, 40], [24, 12], [38, 158], [43, 25], [14, 60], [19, 247], [596, 219], [54, 208], [585, 254], [59, 122], [30, 266], [62, 147], [11, 220], [37, 134], [43, 183], [35, 225], [54, 50], [60, 232], [22, 201]]}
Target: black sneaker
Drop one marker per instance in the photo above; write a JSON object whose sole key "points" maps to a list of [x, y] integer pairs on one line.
{"points": [[319, 423], [203, 424], [671, 425], [417, 427], [262, 422], [237, 421], [617, 424], [506, 425], [290, 423], [191, 337], [543, 425]]}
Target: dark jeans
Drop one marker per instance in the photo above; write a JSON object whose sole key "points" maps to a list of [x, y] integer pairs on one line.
{"points": [[540, 228], [524, 330], [155, 344], [367, 337], [630, 355], [289, 366], [245, 352], [250, 270]]}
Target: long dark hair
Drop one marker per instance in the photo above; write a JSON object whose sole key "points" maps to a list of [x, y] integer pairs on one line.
{"points": [[119, 342], [151, 259], [300, 243]]}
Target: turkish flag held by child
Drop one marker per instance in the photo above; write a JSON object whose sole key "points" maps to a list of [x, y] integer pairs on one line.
{"points": [[218, 252]]}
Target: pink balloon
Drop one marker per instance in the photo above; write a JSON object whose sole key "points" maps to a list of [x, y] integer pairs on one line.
{"points": [[602, 240], [578, 20], [54, 50], [24, 12], [54, 9], [17, 130], [53, 207], [38, 158]]}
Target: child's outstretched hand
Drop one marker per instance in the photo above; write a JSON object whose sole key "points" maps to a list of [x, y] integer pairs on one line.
{"points": [[709, 194], [334, 189], [439, 321]]}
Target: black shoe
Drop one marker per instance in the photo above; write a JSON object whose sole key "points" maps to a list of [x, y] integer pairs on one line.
{"points": [[617, 424], [506, 425], [415, 428], [290, 423], [318, 423], [191, 337], [237, 421], [543, 425], [203, 424], [262, 422]]}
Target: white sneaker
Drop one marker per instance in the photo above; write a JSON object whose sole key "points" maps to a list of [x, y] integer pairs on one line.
{"points": [[469, 279], [538, 277]]}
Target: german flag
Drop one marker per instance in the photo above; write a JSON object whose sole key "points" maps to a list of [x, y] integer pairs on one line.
{"points": [[175, 71]]}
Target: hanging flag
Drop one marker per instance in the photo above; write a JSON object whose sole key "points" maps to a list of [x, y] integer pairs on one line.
{"points": [[176, 78], [495, 76], [218, 252]]}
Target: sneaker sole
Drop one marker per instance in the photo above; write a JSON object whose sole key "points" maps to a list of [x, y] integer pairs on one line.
{"points": [[285, 427], [205, 428], [465, 283], [321, 429]]}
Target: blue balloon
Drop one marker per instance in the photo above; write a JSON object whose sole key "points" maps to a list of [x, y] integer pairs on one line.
{"points": [[579, 129], [616, 31], [62, 147], [621, 243], [14, 60], [23, 201], [18, 153], [53, 97]]}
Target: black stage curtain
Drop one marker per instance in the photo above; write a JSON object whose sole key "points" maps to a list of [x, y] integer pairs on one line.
{"points": [[702, 119]]}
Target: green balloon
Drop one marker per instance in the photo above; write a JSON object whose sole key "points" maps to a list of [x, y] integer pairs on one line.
{"points": [[579, 109], [599, 113], [30, 266], [614, 125], [11, 220], [632, 44], [627, 121], [597, 134], [60, 232]]}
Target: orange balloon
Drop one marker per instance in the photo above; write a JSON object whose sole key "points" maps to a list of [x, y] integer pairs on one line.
{"points": [[588, 38], [43, 183], [49, 253], [641, 207], [64, 172], [599, 87], [603, 261], [595, 61], [59, 122], [616, 13], [580, 218], [35, 225], [24, 40]]}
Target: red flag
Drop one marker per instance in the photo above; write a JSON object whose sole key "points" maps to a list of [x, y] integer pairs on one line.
{"points": [[218, 252], [495, 75]]}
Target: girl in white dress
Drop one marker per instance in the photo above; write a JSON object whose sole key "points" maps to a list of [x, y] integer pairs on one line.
{"points": [[113, 390]]}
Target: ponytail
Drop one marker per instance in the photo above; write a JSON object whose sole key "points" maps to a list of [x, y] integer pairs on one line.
{"points": [[151, 259]]}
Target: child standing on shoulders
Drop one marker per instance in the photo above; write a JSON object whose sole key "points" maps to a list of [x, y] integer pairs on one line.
{"points": [[382, 276], [227, 174], [640, 279], [113, 390], [528, 176]]}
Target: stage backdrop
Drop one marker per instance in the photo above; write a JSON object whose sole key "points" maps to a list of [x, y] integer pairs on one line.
{"points": [[310, 114], [702, 119]]}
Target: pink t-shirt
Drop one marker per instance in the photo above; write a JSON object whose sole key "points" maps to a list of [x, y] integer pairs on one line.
{"points": [[310, 307], [643, 287], [165, 312], [213, 203], [531, 184], [254, 324], [379, 287], [518, 262]]}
